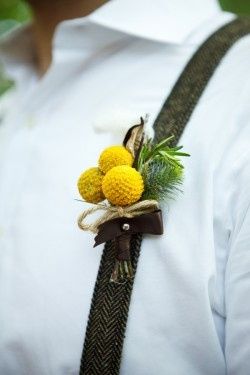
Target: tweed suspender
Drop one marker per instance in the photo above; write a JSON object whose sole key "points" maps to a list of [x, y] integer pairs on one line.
{"points": [[109, 309]]}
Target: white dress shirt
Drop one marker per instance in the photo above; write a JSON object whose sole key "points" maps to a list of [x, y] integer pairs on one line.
{"points": [[190, 309]]}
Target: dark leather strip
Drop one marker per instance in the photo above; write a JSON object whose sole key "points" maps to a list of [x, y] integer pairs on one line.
{"points": [[102, 351], [150, 223]]}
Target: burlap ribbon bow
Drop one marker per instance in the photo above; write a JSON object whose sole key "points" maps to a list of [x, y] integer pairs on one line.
{"points": [[122, 228], [119, 224]]}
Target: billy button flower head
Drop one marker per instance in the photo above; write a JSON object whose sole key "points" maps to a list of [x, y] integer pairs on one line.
{"points": [[114, 156], [90, 185], [123, 185]]}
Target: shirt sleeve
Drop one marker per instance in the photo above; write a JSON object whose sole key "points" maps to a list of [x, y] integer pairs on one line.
{"points": [[237, 300]]}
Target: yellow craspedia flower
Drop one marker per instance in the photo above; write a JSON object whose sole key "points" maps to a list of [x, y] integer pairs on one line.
{"points": [[113, 156], [90, 185], [122, 185]]}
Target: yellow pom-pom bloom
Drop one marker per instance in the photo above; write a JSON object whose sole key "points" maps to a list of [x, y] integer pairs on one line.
{"points": [[113, 156], [90, 185], [122, 185]]}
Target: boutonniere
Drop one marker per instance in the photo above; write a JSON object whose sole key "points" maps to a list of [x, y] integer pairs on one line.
{"points": [[129, 184]]}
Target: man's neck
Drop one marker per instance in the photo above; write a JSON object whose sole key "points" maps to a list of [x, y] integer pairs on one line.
{"points": [[47, 15]]}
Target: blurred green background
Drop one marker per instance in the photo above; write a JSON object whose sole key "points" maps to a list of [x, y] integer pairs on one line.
{"points": [[13, 12], [236, 6]]}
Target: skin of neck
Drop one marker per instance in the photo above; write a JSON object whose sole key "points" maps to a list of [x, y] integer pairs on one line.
{"points": [[47, 15]]}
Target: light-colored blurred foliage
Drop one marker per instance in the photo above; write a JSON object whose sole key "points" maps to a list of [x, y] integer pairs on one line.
{"points": [[5, 83], [12, 12]]}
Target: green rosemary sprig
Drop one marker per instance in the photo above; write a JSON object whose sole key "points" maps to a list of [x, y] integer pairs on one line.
{"points": [[161, 169]]}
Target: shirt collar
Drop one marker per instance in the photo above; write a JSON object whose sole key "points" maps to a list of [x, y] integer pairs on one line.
{"points": [[163, 21]]}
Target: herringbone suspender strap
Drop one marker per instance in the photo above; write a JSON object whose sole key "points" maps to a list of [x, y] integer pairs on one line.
{"points": [[110, 302]]}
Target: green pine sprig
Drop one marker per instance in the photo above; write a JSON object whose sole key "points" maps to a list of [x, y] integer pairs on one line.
{"points": [[161, 168]]}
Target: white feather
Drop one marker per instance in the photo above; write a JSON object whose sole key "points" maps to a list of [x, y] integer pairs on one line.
{"points": [[119, 121]]}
